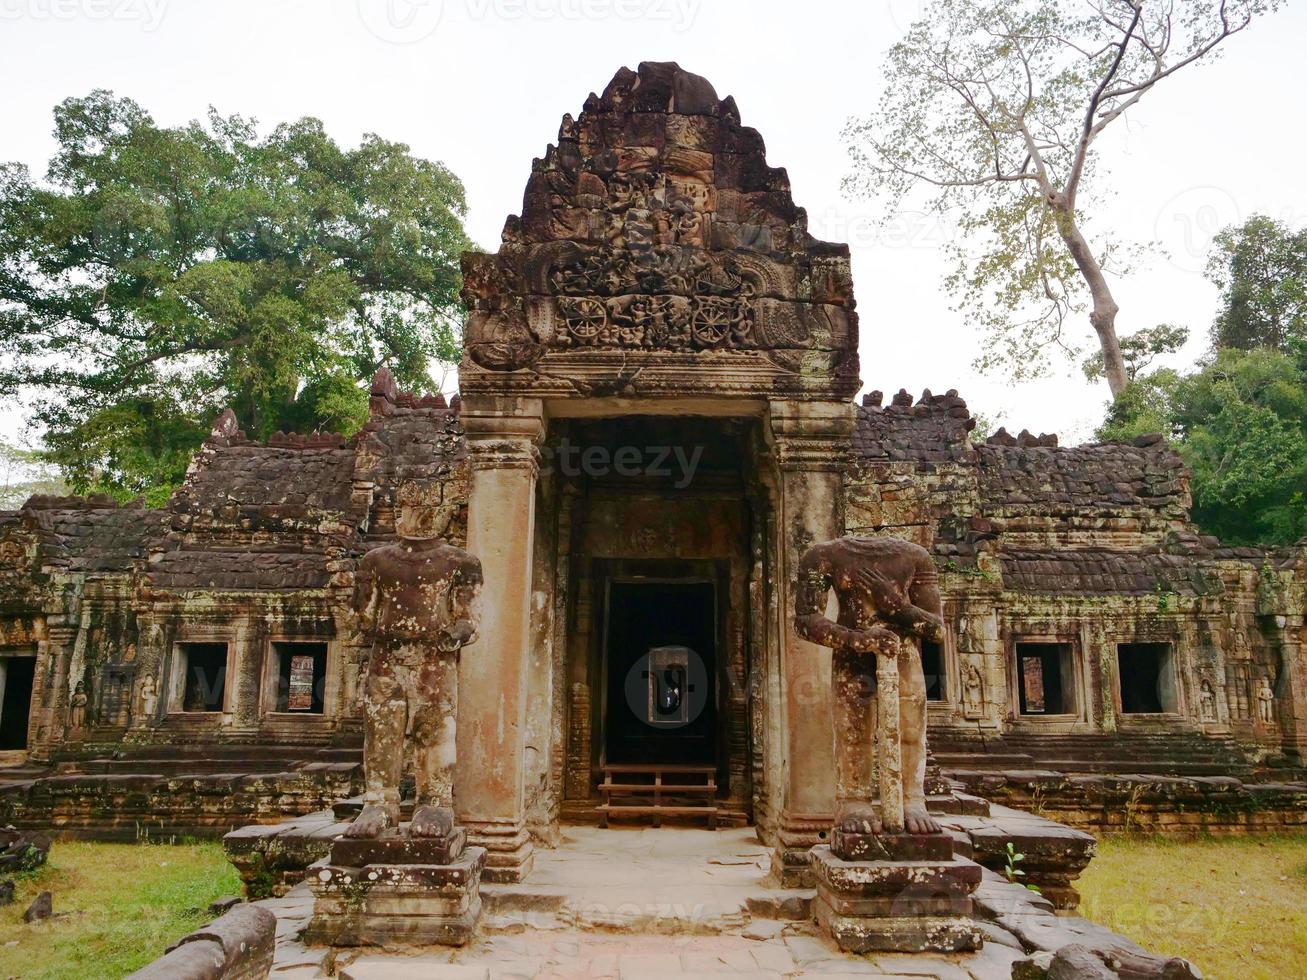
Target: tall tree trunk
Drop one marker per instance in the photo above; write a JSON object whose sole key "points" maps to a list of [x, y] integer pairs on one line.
{"points": [[1103, 315]]}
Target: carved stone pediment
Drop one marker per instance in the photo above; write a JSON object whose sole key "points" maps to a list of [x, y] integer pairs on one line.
{"points": [[658, 251], [19, 547]]}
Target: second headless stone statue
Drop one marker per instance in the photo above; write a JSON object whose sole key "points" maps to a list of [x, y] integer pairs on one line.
{"points": [[888, 593], [888, 881], [389, 883]]}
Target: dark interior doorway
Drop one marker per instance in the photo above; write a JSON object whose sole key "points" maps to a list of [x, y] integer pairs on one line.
{"points": [[205, 672], [17, 706], [1146, 682], [932, 667], [661, 659], [301, 677], [1045, 679]]}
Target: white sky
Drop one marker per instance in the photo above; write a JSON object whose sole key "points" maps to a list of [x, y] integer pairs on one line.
{"points": [[482, 85]]}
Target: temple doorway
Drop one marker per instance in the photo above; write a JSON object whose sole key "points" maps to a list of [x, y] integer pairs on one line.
{"points": [[659, 535], [16, 675], [660, 658]]}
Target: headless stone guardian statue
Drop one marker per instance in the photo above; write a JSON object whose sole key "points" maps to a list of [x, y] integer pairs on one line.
{"points": [[888, 592], [419, 600]]}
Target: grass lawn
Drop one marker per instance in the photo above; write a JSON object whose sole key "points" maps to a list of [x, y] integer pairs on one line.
{"points": [[1235, 907], [117, 907]]}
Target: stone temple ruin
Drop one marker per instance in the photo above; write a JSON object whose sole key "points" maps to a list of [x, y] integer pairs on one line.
{"points": [[656, 420]]}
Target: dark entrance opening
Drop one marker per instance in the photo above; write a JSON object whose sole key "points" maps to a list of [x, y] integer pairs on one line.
{"points": [[1044, 679], [17, 704], [204, 667], [661, 657], [301, 677], [932, 665], [1146, 682]]}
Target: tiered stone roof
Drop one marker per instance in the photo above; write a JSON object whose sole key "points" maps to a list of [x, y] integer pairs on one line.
{"points": [[293, 512], [85, 534]]}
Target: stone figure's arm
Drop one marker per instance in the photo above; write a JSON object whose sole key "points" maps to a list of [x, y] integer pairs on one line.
{"points": [[927, 609], [810, 620], [915, 608], [365, 596], [464, 605]]}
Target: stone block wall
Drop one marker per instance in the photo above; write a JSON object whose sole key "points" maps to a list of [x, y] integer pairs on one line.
{"points": [[1086, 547]]}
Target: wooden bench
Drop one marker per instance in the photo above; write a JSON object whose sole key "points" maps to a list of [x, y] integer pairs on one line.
{"points": [[657, 791]]}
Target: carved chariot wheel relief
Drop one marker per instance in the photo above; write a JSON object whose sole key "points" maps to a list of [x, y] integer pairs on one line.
{"points": [[712, 320], [585, 318]]}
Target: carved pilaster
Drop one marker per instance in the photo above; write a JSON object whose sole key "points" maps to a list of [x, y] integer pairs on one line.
{"points": [[503, 435], [810, 442]]}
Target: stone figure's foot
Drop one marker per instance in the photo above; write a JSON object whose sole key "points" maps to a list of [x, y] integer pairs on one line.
{"points": [[374, 820], [432, 821], [917, 821], [857, 818]]}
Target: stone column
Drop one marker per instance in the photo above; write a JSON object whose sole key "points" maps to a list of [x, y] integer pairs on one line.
{"points": [[1291, 703], [811, 445], [503, 435], [49, 716]]}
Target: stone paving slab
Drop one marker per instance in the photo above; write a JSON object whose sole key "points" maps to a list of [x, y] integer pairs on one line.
{"points": [[573, 956]]}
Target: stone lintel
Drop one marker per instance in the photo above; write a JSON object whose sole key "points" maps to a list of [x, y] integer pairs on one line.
{"points": [[957, 876], [896, 906], [898, 934], [398, 849], [891, 847], [812, 435], [396, 905]]}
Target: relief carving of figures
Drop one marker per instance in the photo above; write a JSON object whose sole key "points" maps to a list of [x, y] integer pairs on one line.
{"points": [[77, 709], [147, 700], [973, 691], [667, 322], [1265, 701], [1207, 702]]}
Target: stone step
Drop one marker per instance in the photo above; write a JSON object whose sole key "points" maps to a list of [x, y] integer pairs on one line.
{"points": [[970, 760]]}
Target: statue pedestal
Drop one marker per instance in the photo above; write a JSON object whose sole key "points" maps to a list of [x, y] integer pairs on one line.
{"points": [[901, 893], [397, 891]]}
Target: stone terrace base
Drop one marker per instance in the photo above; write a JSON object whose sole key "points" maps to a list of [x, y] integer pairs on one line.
{"points": [[646, 904], [396, 905], [896, 906]]}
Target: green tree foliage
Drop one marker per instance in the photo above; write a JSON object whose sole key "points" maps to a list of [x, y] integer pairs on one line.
{"points": [[1240, 423], [994, 109], [1140, 349], [1240, 420], [158, 274], [1261, 270], [24, 472]]}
